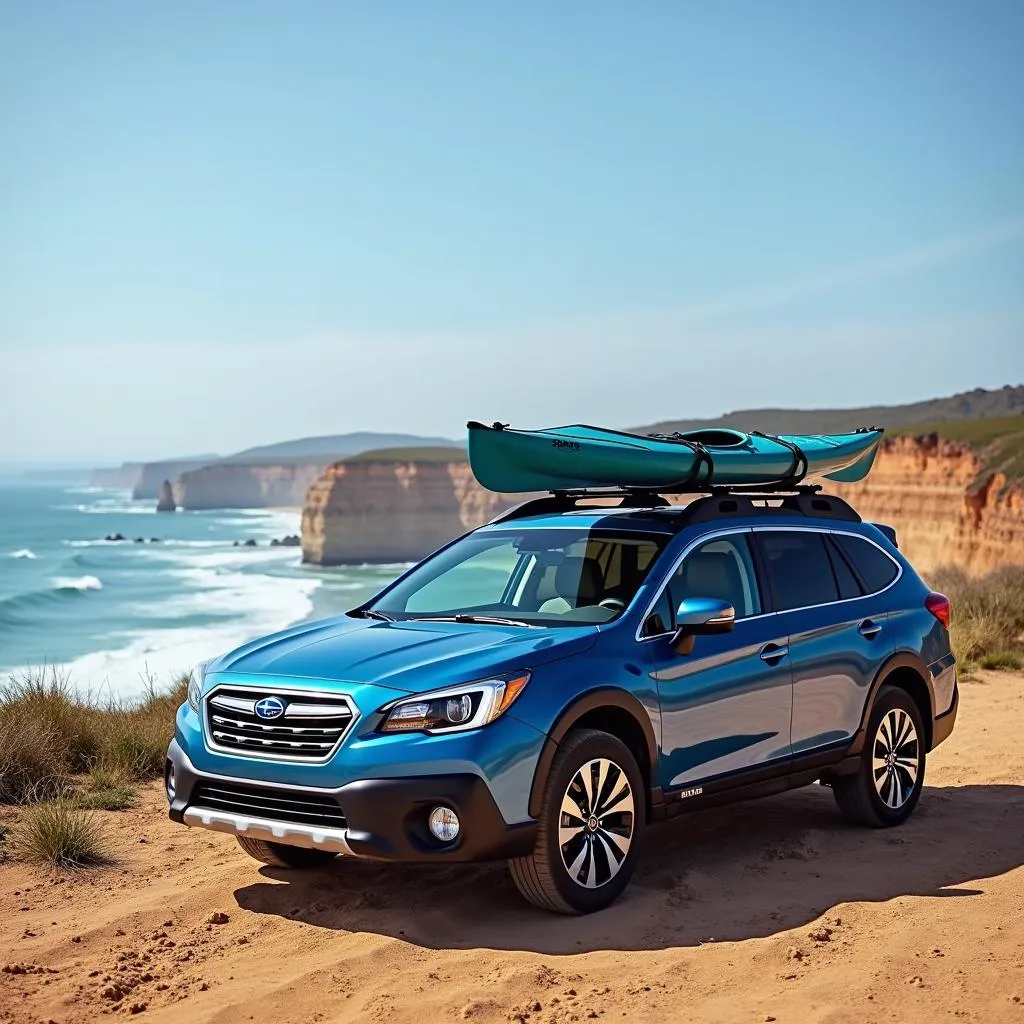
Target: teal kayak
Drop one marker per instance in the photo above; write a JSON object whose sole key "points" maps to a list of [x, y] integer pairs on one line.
{"points": [[579, 456]]}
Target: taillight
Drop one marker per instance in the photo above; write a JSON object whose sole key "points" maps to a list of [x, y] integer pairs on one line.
{"points": [[938, 605]]}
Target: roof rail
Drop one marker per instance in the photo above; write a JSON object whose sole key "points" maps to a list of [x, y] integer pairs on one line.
{"points": [[570, 501], [721, 502]]}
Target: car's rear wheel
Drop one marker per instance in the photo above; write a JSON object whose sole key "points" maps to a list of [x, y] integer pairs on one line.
{"points": [[887, 785], [588, 827], [282, 856]]}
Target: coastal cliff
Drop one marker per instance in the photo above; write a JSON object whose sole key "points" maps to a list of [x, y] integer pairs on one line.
{"points": [[381, 508], [951, 502], [948, 504], [125, 476], [153, 474], [246, 485]]}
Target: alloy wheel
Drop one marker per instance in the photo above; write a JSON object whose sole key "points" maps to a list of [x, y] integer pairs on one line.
{"points": [[895, 758], [595, 824]]}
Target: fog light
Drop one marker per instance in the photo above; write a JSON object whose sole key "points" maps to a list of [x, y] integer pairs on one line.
{"points": [[169, 781], [444, 824]]}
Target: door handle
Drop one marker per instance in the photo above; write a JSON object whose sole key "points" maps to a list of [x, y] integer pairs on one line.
{"points": [[869, 629], [772, 654]]}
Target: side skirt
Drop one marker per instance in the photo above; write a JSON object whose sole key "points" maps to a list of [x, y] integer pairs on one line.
{"points": [[751, 783]]}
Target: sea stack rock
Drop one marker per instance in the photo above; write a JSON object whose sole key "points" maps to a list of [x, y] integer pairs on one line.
{"points": [[165, 503]]}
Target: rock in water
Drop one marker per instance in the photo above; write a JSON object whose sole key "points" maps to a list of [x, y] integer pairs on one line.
{"points": [[165, 503]]}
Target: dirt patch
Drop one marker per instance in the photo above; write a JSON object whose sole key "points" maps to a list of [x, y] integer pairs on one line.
{"points": [[773, 910]]}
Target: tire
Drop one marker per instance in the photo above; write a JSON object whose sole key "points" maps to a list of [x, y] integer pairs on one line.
{"points": [[882, 794], [280, 855], [602, 844]]}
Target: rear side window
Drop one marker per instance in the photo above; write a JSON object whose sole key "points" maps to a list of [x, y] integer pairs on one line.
{"points": [[876, 568], [849, 586], [799, 569]]}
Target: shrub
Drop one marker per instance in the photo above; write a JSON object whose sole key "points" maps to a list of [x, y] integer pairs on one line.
{"points": [[1008, 660], [106, 789], [60, 835], [45, 697], [114, 798], [33, 757], [137, 735], [987, 619], [49, 732]]}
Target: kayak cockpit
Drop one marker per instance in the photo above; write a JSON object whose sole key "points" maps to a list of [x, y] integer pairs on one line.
{"points": [[717, 438]]}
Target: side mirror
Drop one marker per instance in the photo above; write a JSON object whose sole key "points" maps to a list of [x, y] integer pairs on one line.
{"points": [[701, 616]]}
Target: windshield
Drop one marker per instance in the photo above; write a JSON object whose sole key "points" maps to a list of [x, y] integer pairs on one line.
{"points": [[543, 577]]}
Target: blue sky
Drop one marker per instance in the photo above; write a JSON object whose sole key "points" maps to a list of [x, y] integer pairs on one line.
{"points": [[223, 224]]}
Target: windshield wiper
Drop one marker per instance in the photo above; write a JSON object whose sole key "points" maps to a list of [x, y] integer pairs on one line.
{"points": [[487, 620], [372, 613]]}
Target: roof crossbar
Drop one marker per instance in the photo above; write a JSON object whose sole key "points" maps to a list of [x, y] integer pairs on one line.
{"points": [[718, 502]]}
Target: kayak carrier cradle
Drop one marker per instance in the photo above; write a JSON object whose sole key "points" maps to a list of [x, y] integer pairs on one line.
{"points": [[710, 503]]}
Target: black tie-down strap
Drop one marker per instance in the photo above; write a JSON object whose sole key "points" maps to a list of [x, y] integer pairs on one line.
{"points": [[799, 470], [702, 458]]}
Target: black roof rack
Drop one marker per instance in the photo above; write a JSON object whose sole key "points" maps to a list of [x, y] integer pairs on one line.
{"points": [[721, 502]]}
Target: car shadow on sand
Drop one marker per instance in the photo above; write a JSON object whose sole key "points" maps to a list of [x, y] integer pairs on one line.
{"points": [[743, 871]]}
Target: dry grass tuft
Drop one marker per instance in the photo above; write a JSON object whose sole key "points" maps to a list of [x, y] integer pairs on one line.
{"points": [[49, 733], [106, 789], [987, 622], [116, 798], [60, 835]]}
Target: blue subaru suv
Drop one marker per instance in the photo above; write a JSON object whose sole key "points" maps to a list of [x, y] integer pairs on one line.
{"points": [[541, 689]]}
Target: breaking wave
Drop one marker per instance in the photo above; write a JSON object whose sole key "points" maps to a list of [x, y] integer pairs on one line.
{"points": [[77, 583]]}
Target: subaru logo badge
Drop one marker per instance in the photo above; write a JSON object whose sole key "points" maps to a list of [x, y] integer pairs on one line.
{"points": [[269, 707]]}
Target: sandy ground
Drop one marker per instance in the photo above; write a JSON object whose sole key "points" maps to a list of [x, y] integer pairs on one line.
{"points": [[768, 911]]}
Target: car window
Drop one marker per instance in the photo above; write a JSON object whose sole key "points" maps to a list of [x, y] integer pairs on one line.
{"points": [[848, 583], [876, 568], [722, 568], [660, 619], [478, 580], [552, 577], [798, 567]]}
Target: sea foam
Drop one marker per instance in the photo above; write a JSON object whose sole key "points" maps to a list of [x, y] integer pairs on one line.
{"points": [[253, 603], [77, 583], [23, 553]]}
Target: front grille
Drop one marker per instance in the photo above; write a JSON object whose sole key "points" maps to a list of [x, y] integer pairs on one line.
{"points": [[294, 805], [310, 728]]}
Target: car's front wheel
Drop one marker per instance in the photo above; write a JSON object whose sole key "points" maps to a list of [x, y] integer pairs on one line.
{"points": [[280, 855], [588, 828], [887, 785]]}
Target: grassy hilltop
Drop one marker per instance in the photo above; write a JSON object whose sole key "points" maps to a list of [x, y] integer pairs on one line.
{"points": [[998, 439]]}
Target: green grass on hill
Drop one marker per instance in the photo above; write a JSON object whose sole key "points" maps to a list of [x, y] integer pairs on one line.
{"points": [[430, 455], [998, 439]]}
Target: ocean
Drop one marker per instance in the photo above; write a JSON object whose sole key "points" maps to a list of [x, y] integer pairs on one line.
{"points": [[113, 614]]}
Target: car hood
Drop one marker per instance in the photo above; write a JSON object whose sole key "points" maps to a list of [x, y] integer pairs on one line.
{"points": [[411, 656]]}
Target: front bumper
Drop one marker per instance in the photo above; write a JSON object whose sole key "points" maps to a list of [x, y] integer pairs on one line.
{"points": [[384, 819]]}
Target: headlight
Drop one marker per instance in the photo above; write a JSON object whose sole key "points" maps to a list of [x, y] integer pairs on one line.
{"points": [[195, 686], [454, 709]]}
